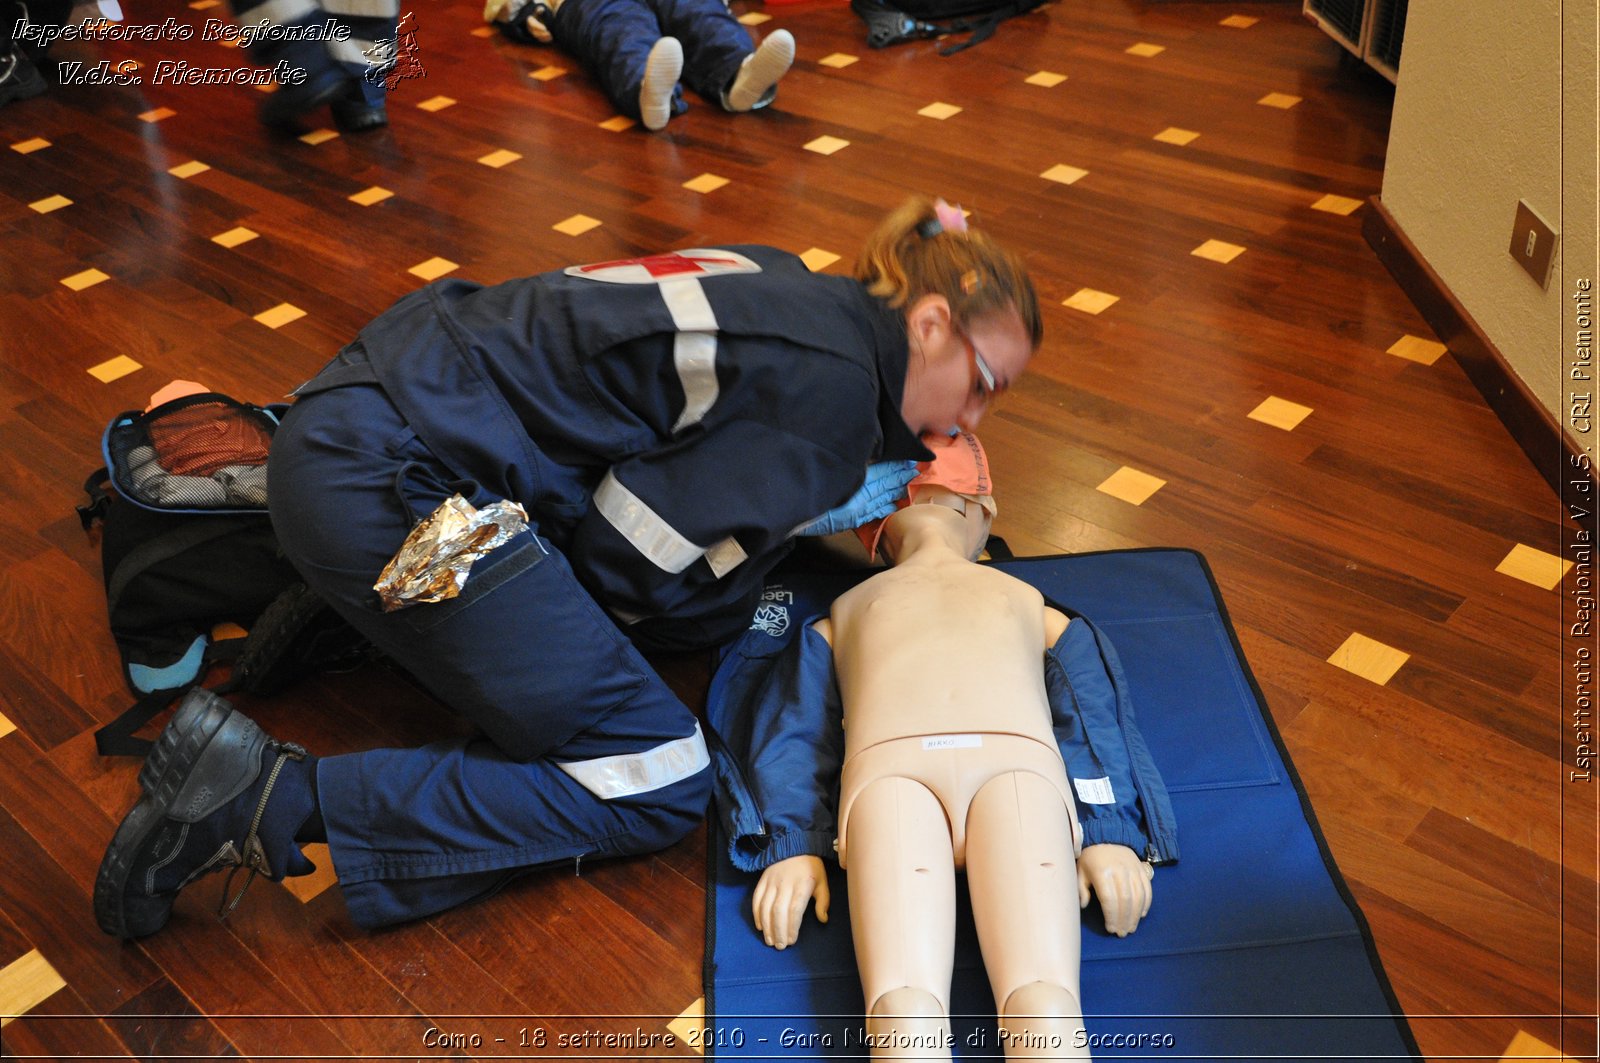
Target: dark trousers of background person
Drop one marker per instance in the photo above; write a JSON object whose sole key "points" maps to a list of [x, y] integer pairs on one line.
{"points": [[356, 64]]}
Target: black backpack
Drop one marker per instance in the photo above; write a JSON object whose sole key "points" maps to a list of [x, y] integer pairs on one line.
{"points": [[910, 20], [187, 551]]}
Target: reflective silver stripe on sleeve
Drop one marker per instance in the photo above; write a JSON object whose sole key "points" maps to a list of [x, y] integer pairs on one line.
{"points": [[644, 527], [628, 774], [279, 12], [725, 556], [362, 8], [694, 352], [695, 355]]}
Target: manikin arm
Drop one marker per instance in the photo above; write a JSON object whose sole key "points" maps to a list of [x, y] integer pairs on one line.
{"points": [[1121, 880], [781, 897]]}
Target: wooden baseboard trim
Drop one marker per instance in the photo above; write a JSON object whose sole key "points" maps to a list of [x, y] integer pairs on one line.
{"points": [[1550, 448]]}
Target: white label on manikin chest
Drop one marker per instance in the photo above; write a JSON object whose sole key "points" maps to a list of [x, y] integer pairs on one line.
{"points": [[952, 741], [1095, 791]]}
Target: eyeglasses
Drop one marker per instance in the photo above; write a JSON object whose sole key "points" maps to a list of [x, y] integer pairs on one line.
{"points": [[985, 386]]}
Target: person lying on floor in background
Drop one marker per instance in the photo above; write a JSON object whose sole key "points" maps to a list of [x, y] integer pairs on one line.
{"points": [[639, 49]]}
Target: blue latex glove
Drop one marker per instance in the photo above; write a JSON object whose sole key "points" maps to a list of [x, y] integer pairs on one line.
{"points": [[885, 483]]}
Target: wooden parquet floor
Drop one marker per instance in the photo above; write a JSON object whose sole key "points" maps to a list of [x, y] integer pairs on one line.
{"points": [[1227, 367]]}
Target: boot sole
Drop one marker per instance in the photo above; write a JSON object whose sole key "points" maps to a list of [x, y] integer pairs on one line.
{"points": [[162, 779]]}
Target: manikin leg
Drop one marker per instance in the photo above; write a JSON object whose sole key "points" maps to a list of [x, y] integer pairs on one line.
{"points": [[902, 915], [1024, 886]]}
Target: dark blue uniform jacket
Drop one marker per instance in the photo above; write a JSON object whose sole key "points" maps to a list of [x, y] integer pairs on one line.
{"points": [[666, 421], [778, 745]]}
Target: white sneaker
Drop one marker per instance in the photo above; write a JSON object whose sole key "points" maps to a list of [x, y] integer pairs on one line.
{"points": [[757, 80], [661, 72]]}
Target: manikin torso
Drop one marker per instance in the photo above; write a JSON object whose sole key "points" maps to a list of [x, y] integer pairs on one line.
{"points": [[985, 630]]}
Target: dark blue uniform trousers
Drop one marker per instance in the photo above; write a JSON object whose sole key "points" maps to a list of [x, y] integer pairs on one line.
{"points": [[524, 652], [612, 38]]}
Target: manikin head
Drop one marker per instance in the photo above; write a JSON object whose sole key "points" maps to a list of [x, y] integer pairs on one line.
{"points": [[956, 481]]}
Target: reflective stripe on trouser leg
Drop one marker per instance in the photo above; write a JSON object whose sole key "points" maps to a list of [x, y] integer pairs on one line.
{"points": [[629, 774]]}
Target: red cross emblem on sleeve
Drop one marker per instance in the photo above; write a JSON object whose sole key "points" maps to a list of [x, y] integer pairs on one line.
{"points": [[653, 269]]}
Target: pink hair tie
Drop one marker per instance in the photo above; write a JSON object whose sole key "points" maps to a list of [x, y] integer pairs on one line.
{"points": [[951, 219]]}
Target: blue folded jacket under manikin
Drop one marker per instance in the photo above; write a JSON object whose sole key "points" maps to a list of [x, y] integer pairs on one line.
{"points": [[1254, 948]]}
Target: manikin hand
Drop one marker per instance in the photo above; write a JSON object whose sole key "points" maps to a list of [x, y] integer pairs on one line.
{"points": [[1122, 882], [781, 897]]}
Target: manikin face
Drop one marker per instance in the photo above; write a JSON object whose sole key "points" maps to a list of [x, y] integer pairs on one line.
{"points": [[955, 370]]}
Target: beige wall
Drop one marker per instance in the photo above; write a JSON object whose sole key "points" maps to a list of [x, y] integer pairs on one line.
{"points": [[1496, 103]]}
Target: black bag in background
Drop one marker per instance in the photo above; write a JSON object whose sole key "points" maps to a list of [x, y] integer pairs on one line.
{"points": [[910, 20], [186, 548]]}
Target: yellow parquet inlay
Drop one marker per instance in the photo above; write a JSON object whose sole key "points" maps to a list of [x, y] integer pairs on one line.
{"points": [[306, 887], [941, 111], [235, 237], [1131, 486], [706, 182], [1281, 100], [817, 259], [838, 60], [184, 171], [436, 103], [826, 145], [576, 225], [496, 159], [1368, 658], [548, 73], [754, 18], [1145, 50], [1218, 251], [618, 124], [115, 369], [1064, 174], [1417, 349], [433, 268], [368, 196], [1045, 79], [1534, 566], [1239, 22], [1280, 413], [319, 136], [1174, 135], [50, 203], [1332, 204], [280, 315], [687, 1026], [87, 279], [1089, 301], [25, 983], [1526, 1046], [6, 726], [159, 114], [29, 146]]}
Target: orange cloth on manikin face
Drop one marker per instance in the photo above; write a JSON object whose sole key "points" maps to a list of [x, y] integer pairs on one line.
{"points": [[959, 465]]}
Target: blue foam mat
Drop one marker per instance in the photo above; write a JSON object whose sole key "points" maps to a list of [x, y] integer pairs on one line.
{"points": [[1254, 949]]}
